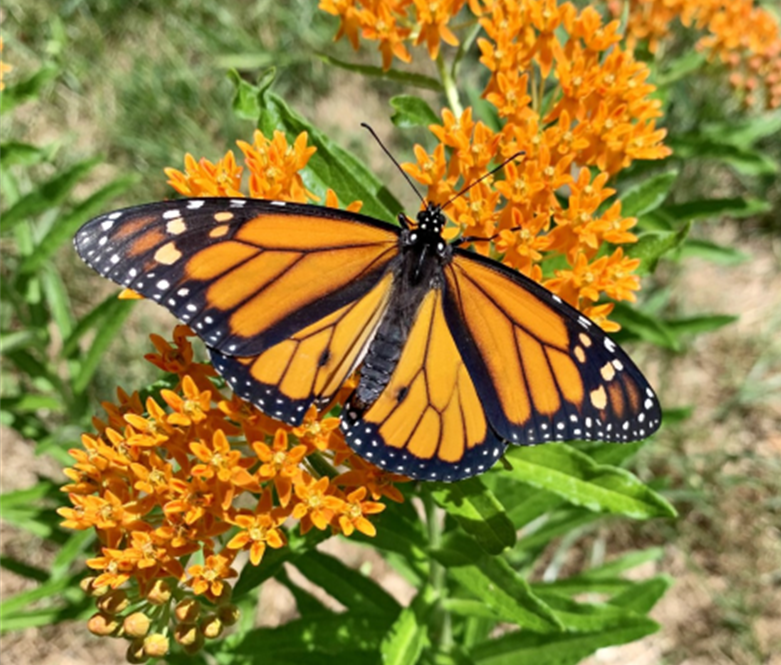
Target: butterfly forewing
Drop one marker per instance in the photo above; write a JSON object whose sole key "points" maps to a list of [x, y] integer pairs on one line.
{"points": [[543, 371], [245, 274]]}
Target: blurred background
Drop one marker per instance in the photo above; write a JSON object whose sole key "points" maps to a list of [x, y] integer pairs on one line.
{"points": [[136, 85]]}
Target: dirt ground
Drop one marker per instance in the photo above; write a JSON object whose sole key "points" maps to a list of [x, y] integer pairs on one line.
{"points": [[724, 553]]}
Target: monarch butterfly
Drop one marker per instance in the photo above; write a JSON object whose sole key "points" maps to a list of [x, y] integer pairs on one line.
{"points": [[458, 354]]}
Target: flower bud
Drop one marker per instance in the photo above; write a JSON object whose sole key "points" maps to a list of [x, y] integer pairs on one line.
{"points": [[188, 610], [211, 626], [225, 594], [135, 652], [102, 624], [160, 593], [114, 602], [195, 647], [186, 634], [229, 614], [136, 624], [88, 586], [156, 645]]}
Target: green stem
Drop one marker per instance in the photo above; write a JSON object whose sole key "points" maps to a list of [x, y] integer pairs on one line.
{"points": [[442, 628], [449, 84]]}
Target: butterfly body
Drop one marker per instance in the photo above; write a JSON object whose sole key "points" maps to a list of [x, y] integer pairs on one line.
{"points": [[458, 355]]}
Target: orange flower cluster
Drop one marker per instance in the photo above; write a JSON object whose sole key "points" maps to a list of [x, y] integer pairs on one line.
{"points": [[198, 475], [587, 104], [394, 23], [4, 67], [273, 167], [743, 35]]}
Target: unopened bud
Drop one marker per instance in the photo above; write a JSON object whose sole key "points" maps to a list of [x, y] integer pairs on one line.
{"points": [[195, 647], [188, 610], [135, 652], [225, 594], [114, 602], [136, 624], [229, 614], [88, 586], [102, 624], [160, 593], [186, 633], [211, 626], [156, 645]]}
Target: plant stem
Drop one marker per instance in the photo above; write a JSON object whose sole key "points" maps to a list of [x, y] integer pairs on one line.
{"points": [[449, 84], [442, 629]]}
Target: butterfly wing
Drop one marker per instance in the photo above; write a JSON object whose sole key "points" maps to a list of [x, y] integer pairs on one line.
{"points": [[543, 370], [245, 274], [428, 422], [286, 297]]}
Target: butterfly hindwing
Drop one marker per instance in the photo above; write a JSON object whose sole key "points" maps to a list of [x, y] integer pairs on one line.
{"points": [[311, 365], [544, 371], [428, 422], [245, 274]]}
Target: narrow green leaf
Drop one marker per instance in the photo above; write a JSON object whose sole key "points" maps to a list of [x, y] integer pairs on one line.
{"points": [[330, 635], [647, 195], [23, 570], [63, 230], [644, 327], [711, 251], [478, 512], [408, 635], [559, 524], [681, 67], [331, 166], [70, 551], [49, 194], [700, 324], [95, 318], [14, 604], [20, 92], [24, 154], [585, 617], [407, 78], [653, 245], [528, 647], [306, 604], [715, 209], [741, 157], [354, 590], [412, 111], [46, 617], [642, 596], [246, 104], [19, 339], [26, 497], [492, 581], [105, 335], [745, 130], [469, 608], [574, 476]]}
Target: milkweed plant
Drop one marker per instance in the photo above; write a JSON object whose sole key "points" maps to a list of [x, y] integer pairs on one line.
{"points": [[187, 499]]}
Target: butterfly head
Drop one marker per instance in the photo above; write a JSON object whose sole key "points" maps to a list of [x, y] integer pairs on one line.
{"points": [[431, 219]]}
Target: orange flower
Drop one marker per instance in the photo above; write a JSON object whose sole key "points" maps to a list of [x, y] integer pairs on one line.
{"points": [[432, 23], [353, 512], [280, 464], [209, 578], [205, 178], [315, 506], [259, 529], [316, 433]]}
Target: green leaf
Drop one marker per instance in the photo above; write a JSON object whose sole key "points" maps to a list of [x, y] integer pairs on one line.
{"points": [[25, 154], [478, 512], [700, 324], [715, 209], [561, 523], [647, 195], [584, 617], [574, 476], [652, 245], [23, 569], [745, 130], [49, 194], [331, 166], [642, 597], [64, 229], [306, 603], [644, 327], [246, 104], [681, 67], [407, 78], [711, 251], [743, 158], [16, 94], [15, 604], [468, 608], [354, 590], [108, 330], [334, 635], [412, 111], [408, 635], [528, 647], [492, 581]]}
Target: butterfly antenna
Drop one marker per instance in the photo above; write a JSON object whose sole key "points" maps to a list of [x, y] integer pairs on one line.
{"points": [[393, 159], [483, 177]]}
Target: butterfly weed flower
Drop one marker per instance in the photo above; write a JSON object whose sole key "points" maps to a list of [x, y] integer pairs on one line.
{"points": [[177, 487]]}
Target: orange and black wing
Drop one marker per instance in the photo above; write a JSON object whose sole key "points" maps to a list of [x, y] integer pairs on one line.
{"points": [[429, 422], [286, 296], [543, 371]]}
